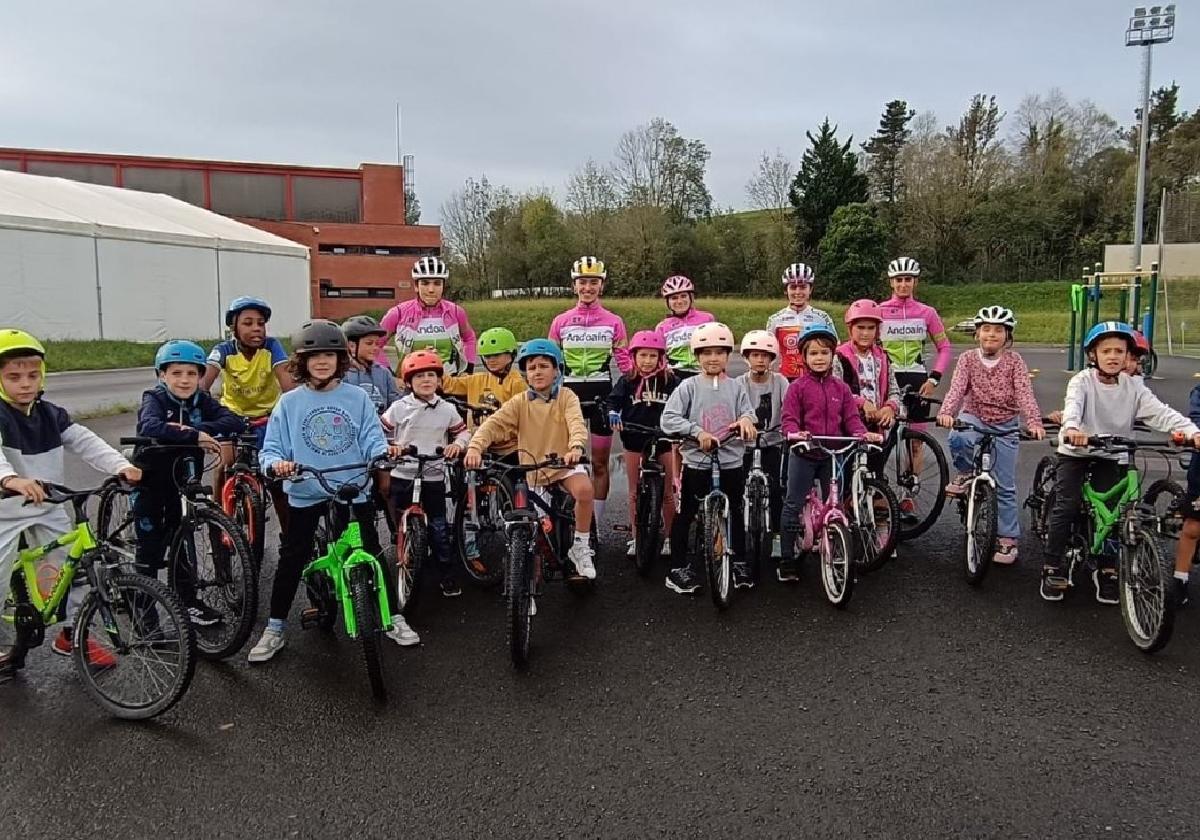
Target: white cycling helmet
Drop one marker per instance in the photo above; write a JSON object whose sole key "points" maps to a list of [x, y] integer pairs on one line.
{"points": [[904, 267], [996, 315], [588, 267], [760, 340], [712, 334], [798, 273], [430, 268]]}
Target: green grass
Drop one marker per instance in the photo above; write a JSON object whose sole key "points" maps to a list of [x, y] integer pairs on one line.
{"points": [[108, 355]]}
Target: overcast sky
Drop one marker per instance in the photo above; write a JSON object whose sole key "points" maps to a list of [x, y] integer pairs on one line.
{"points": [[527, 90]]}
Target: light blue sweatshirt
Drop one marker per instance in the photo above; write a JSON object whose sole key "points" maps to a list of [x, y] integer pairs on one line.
{"points": [[323, 429]]}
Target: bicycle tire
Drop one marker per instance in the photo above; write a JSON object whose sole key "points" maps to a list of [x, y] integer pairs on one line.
{"points": [[1042, 490], [518, 590], [490, 540], [979, 535], [412, 555], [648, 534], [234, 578], [718, 564], [1146, 597], [874, 553], [134, 597], [1166, 497], [114, 518], [323, 598], [365, 603], [758, 523], [1149, 364], [837, 564], [928, 487], [249, 511]]}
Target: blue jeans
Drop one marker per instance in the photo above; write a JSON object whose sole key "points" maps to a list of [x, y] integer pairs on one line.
{"points": [[1004, 468]]}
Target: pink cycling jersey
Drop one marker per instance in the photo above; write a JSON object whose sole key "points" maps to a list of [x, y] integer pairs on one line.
{"points": [[907, 325], [443, 326], [589, 336], [677, 333]]}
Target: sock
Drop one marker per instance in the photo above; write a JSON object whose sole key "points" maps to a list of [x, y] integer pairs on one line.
{"points": [[276, 625], [1183, 576], [598, 509], [582, 538]]}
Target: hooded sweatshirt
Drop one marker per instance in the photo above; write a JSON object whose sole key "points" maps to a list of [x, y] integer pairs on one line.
{"points": [[821, 405], [708, 404]]}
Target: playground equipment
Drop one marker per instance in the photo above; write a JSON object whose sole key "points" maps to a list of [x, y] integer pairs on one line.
{"points": [[1085, 305]]}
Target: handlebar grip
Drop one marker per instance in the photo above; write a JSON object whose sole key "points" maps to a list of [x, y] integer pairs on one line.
{"points": [[411, 449], [138, 441]]}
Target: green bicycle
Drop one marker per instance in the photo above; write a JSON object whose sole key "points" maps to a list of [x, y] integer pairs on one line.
{"points": [[133, 647], [346, 579]]}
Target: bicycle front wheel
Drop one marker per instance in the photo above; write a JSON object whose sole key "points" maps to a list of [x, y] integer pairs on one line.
{"points": [[365, 602], [1147, 603], [412, 552], [134, 650], [1041, 497], [758, 522], [1166, 497], [878, 523], [482, 548], [837, 564], [648, 534], [519, 585], [114, 517], [718, 563], [249, 511], [980, 538], [920, 474], [211, 569]]}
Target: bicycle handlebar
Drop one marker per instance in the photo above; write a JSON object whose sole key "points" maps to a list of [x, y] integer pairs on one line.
{"points": [[964, 426], [303, 471], [61, 494], [552, 462], [814, 442]]}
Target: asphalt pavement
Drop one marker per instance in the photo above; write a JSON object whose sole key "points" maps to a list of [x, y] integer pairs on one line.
{"points": [[926, 709]]}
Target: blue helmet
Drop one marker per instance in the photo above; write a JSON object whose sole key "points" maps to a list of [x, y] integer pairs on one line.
{"points": [[539, 347], [184, 352], [817, 331], [1106, 328], [245, 302]]}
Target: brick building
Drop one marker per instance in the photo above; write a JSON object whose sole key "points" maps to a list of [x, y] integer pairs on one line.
{"points": [[352, 220]]}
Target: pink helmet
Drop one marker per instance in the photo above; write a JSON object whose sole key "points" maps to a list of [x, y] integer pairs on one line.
{"points": [[760, 340], [675, 285], [712, 334], [647, 340], [863, 310]]}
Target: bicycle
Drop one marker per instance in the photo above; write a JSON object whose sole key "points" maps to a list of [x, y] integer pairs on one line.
{"points": [[1145, 597], [347, 580], [713, 538], [873, 512], [756, 511], [652, 478], [478, 522], [209, 563], [411, 539], [978, 507], [244, 493], [129, 625], [920, 489], [539, 533]]}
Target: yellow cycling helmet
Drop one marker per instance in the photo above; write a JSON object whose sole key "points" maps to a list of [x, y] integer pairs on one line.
{"points": [[588, 267], [11, 342]]}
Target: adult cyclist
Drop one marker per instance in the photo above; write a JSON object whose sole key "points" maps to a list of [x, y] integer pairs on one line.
{"points": [[788, 323], [679, 293], [591, 338], [429, 320]]}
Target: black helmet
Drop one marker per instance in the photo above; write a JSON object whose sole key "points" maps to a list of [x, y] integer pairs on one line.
{"points": [[362, 325], [320, 336]]}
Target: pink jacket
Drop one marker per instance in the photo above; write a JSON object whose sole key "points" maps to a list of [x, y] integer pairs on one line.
{"points": [[884, 382], [821, 405], [996, 395]]}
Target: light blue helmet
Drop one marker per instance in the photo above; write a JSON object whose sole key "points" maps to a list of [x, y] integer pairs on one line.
{"points": [[246, 302], [539, 347], [1107, 328], [817, 331], [183, 352]]}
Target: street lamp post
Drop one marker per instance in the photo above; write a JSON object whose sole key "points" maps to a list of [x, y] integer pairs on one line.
{"points": [[1147, 27]]}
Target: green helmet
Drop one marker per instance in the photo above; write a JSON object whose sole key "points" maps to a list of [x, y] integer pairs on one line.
{"points": [[12, 340], [496, 340]]}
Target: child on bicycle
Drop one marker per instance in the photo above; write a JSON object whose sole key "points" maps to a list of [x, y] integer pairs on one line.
{"points": [[324, 424], [1101, 399], [424, 420], [706, 407], [638, 398], [364, 337], [991, 387], [176, 411], [766, 388], [546, 419], [1185, 549], [817, 404], [34, 434]]}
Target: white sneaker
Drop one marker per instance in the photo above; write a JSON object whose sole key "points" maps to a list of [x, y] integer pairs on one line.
{"points": [[402, 634], [631, 548], [581, 556], [271, 643], [532, 605], [666, 549]]}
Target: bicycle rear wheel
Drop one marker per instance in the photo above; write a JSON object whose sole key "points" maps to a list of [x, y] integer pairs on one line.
{"points": [[114, 515], [482, 551], [209, 565], [1147, 603], [412, 555], [1041, 496], [248, 509], [920, 474], [648, 533], [365, 602], [878, 524], [837, 564], [718, 563], [134, 651], [980, 536], [519, 586], [758, 522]]}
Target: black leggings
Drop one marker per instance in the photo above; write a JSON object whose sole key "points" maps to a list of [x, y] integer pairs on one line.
{"points": [[696, 484], [1069, 477]]}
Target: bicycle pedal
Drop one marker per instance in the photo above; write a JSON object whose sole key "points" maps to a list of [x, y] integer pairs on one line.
{"points": [[309, 617]]}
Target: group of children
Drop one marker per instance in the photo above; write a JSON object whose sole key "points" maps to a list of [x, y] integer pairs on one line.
{"points": [[334, 402]]}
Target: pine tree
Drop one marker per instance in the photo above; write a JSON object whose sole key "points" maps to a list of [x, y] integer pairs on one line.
{"points": [[828, 178], [883, 151]]}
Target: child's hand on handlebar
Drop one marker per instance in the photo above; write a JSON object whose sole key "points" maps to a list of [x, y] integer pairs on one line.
{"points": [[886, 417], [452, 451], [473, 460], [284, 469], [707, 442], [395, 451], [1037, 432], [1076, 437], [30, 488], [574, 456], [873, 437], [131, 474], [797, 436], [945, 421], [1055, 417], [746, 428], [208, 443]]}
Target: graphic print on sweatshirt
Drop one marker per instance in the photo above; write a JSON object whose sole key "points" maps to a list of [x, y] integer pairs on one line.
{"points": [[329, 430], [717, 418]]}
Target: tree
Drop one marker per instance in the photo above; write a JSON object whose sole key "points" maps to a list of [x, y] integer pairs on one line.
{"points": [[883, 151], [656, 167], [467, 226], [1164, 112], [768, 190], [974, 141], [828, 178], [592, 201], [412, 206], [853, 250]]}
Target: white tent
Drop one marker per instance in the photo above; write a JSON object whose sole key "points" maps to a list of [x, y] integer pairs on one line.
{"points": [[85, 261]]}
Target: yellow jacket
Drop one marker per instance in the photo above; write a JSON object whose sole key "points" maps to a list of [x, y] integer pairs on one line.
{"points": [[477, 387], [540, 427]]}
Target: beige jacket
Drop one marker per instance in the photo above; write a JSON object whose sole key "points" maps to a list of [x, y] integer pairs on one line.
{"points": [[539, 427]]}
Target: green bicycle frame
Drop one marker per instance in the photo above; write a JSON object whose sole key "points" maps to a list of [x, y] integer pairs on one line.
{"points": [[78, 542], [344, 555], [1106, 514]]}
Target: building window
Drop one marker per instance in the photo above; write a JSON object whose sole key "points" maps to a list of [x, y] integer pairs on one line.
{"points": [[184, 184], [14, 165], [329, 290], [378, 250], [88, 173], [248, 195], [325, 199]]}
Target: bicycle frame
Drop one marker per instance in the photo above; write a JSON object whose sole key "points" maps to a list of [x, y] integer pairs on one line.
{"points": [[78, 541], [819, 512], [756, 472], [344, 555], [1104, 512]]}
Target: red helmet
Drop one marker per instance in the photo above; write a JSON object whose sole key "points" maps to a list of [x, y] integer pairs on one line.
{"points": [[1141, 344], [418, 361]]}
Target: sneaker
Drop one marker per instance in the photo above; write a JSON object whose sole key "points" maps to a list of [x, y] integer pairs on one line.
{"points": [[202, 615], [580, 555], [402, 634], [957, 487], [532, 605], [450, 588], [666, 549], [683, 581], [97, 655], [271, 643], [1054, 583], [788, 570], [1006, 552], [1179, 588], [743, 576], [1106, 585], [631, 548], [776, 547], [907, 506], [6, 658]]}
